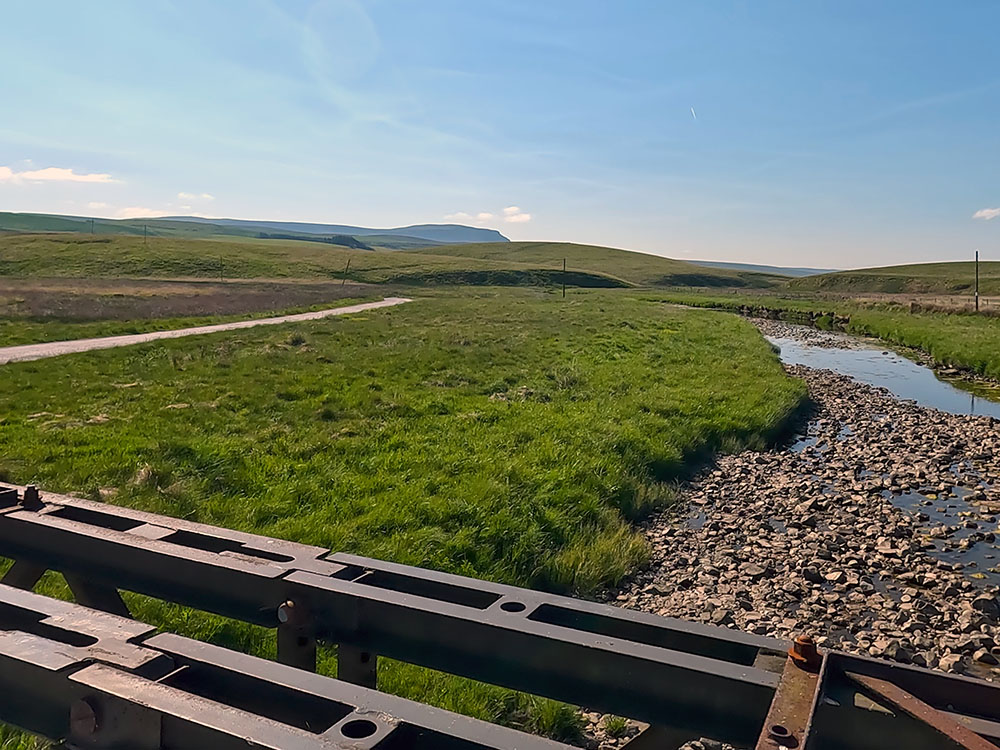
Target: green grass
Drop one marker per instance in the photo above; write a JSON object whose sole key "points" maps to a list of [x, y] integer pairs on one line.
{"points": [[636, 268], [508, 264], [87, 256], [918, 278], [503, 434], [961, 340], [616, 726]]}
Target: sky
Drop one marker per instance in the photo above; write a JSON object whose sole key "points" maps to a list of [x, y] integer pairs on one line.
{"points": [[829, 134]]}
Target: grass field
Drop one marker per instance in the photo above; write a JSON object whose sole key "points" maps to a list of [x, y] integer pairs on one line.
{"points": [[505, 434], [639, 269], [95, 256], [966, 341], [37, 310], [919, 278]]}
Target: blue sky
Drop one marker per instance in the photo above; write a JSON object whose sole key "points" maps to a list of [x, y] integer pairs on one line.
{"points": [[833, 134]]}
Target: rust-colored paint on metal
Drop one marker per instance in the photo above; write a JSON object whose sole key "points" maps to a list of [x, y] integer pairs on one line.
{"points": [[900, 700], [804, 653], [788, 719]]}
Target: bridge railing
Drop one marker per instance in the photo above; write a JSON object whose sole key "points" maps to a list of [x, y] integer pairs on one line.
{"points": [[686, 680]]}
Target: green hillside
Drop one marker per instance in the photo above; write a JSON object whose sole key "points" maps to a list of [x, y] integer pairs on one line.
{"points": [[637, 268], [96, 256], [919, 278]]}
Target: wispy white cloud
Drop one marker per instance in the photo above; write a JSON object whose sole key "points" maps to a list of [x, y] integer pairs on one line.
{"points": [[52, 174], [196, 196], [140, 212], [986, 214], [514, 215], [97, 204], [462, 217], [511, 214]]}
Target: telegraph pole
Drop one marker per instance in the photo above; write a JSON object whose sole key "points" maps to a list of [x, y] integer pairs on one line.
{"points": [[977, 280], [144, 235], [564, 277]]}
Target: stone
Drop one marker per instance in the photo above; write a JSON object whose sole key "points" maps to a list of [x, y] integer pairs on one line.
{"points": [[722, 617], [987, 605], [952, 663], [983, 656]]}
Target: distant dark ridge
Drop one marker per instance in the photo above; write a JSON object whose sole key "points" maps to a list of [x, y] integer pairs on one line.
{"points": [[337, 239], [758, 268], [440, 233], [505, 277], [707, 280], [197, 226]]}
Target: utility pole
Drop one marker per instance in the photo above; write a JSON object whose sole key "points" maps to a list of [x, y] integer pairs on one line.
{"points": [[345, 272], [91, 226], [564, 278], [144, 235], [977, 280]]}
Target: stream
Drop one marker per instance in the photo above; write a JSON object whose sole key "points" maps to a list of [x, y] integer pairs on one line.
{"points": [[875, 529], [869, 363]]}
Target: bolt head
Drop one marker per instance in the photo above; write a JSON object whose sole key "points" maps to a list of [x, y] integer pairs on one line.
{"points": [[83, 720]]}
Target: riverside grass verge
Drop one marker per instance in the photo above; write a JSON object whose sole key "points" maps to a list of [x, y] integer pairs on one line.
{"points": [[504, 434], [965, 341]]}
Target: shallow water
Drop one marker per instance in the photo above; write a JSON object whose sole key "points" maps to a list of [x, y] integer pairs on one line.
{"points": [[905, 379], [981, 560], [901, 376]]}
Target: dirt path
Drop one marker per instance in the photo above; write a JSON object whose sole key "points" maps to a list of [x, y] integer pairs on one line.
{"points": [[56, 348]]}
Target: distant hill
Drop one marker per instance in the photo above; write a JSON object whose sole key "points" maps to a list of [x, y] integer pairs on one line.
{"points": [[422, 235], [777, 270], [344, 240], [85, 255], [636, 268], [442, 233], [957, 277]]}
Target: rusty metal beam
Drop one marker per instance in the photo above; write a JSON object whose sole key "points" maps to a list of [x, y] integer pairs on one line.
{"points": [[790, 715], [100, 681], [684, 679], [950, 731], [667, 672]]}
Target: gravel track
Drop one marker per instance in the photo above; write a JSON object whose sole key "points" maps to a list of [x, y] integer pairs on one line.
{"points": [[28, 352]]}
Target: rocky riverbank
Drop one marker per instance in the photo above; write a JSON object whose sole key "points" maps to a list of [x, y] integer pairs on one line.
{"points": [[778, 329], [876, 532], [805, 334]]}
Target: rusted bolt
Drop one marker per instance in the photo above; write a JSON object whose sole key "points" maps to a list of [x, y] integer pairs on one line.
{"points": [[781, 735], [288, 612], [83, 718], [804, 652], [31, 499]]}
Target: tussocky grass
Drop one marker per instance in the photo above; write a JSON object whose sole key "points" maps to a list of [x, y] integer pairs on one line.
{"points": [[504, 434], [953, 339]]}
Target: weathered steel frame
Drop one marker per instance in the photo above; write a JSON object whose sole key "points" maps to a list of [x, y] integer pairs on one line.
{"points": [[92, 679], [686, 679]]}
